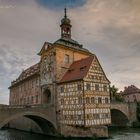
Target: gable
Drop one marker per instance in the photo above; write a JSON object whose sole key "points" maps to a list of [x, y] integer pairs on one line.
{"points": [[45, 47], [96, 73]]}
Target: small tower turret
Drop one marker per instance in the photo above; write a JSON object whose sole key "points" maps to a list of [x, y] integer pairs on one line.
{"points": [[65, 26]]}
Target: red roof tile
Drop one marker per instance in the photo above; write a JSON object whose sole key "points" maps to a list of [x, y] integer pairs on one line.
{"points": [[131, 90], [78, 70], [27, 73], [30, 71]]}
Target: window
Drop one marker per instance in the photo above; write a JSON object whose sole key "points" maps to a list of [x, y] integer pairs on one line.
{"points": [[65, 117], [100, 78], [67, 58], [82, 68], [135, 99], [88, 86], [79, 117], [32, 83], [36, 98], [62, 101], [79, 87], [27, 100], [96, 116], [71, 117], [106, 100], [96, 87], [62, 89], [32, 100], [24, 101], [87, 100], [88, 116], [105, 88], [92, 100], [99, 100], [107, 115], [80, 100]]}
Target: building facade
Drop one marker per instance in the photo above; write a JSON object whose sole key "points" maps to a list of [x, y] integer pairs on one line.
{"points": [[70, 77], [25, 89], [131, 94]]}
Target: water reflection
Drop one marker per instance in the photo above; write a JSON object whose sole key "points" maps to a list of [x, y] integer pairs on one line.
{"points": [[121, 134], [125, 134], [20, 135]]}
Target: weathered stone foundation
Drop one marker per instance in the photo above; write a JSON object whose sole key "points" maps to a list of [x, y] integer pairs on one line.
{"points": [[99, 131]]}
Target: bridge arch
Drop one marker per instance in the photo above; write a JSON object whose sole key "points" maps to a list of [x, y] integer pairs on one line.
{"points": [[47, 126], [119, 118]]}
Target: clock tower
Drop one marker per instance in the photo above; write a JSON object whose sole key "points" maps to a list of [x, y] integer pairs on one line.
{"points": [[56, 59]]}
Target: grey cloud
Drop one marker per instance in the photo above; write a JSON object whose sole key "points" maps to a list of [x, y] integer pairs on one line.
{"points": [[109, 28]]}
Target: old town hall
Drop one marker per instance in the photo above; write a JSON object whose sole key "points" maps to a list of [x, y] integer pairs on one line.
{"points": [[71, 78]]}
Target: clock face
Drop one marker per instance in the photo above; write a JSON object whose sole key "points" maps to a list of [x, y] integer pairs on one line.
{"points": [[47, 70]]}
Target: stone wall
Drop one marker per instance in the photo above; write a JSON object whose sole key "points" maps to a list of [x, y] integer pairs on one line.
{"points": [[132, 112], [99, 131]]}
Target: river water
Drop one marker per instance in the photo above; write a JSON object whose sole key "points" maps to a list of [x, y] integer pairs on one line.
{"points": [[121, 134]]}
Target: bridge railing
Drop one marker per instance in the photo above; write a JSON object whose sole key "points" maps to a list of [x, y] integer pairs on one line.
{"points": [[116, 102], [26, 106]]}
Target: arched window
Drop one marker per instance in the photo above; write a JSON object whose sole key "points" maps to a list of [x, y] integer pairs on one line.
{"points": [[47, 96], [135, 99]]}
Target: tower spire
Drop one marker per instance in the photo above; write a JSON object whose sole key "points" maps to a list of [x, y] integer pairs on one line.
{"points": [[65, 11]]}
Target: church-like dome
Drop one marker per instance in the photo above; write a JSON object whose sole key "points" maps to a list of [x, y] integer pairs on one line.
{"points": [[65, 20]]}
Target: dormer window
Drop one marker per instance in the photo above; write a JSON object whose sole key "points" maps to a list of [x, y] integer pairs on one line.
{"points": [[70, 70], [82, 68]]}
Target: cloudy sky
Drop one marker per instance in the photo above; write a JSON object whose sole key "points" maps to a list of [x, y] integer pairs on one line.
{"points": [[108, 28]]}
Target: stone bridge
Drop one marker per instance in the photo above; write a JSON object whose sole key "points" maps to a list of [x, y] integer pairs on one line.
{"points": [[43, 115], [123, 114]]}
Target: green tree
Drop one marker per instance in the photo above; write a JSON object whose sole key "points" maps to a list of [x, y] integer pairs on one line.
{"points": [[114, 94]]}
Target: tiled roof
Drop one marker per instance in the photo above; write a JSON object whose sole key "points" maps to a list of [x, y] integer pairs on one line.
{"points": [[131, 90], [27, 73], [78, 70], [71, 44]]}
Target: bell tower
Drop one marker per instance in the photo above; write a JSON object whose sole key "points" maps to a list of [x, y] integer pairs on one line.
{"points": [[65, 26]]}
